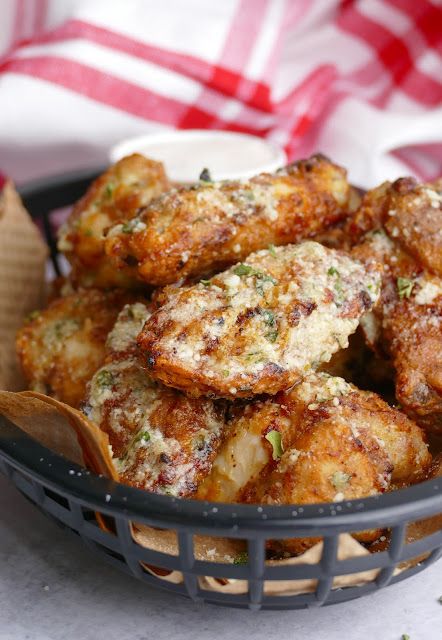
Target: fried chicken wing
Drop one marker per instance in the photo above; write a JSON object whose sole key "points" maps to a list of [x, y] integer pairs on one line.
{"points": [[61, 347], [161, 440], [323, 441], [407, 322], [201, 229], [260, 326], [117, 195]]}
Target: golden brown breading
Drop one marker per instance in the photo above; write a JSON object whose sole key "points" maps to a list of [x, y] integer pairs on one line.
{"points": [[162, 441], [261, 325], [411, 215], [412, 333], [323, 441], [117, 195], [62, 346], [407, 322], [416, 222], [201, 229]]}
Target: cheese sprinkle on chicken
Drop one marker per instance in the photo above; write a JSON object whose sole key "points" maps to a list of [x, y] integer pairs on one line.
{"points": [[260, 326], [161, 440], [192, 231]]}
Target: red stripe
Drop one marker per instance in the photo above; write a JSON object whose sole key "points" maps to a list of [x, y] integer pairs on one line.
{"points": [[236, 50], [111, 90], [40, 11], [393, 55], [426, 17], [17, 30], [218, 77], [417, 156]]}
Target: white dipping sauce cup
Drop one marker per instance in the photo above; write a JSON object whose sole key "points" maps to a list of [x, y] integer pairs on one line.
{"points": [[227, 155]]}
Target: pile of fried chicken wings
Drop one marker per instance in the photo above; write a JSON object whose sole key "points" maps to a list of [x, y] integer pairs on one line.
{"points": [[276, 340]]}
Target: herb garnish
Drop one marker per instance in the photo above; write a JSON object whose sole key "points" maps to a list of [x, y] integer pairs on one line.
{"points": [[404, 287], [272, 250], [108, 190], [274, 437], [33, 315], [105, 378], [206, 283], [241, 558], [205, 175], [127, 227], [333, 272], [246, 270], [141, 435], [243, 270], [272, 335], [269, 317]]}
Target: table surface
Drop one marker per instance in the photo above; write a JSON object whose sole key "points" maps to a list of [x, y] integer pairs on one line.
{"points": [[53, 588]]}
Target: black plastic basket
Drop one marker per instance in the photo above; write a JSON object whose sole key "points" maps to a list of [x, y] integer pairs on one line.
{"points": [[72, 496]]}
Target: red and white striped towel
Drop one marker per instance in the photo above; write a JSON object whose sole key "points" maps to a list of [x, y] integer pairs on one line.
{"points": [[359, 80]]}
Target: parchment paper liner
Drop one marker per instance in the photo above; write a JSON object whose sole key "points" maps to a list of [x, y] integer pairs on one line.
{"points": [[23, 255], [69, 433]]}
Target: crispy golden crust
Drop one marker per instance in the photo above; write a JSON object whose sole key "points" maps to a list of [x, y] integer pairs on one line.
{"points": [[62, 346], [407, 322], [259, 326], [416, 222], [413, 335], [161, 440], [116, 195], [337, 443], [198, 230]]}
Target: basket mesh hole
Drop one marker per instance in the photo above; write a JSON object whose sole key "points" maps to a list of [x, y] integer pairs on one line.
{"points": [[105, 522], [56, 497]]}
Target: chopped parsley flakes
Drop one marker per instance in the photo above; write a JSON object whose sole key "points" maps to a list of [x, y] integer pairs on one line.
{"points": [[33, 315], [205, 175], [241, 558], [243, 270], [206, 283], [274, 437], [272, 336], [127, 227], [269, 317], [108, 190], [105, 378], [272, 250], [404, 287], [142, 435]]}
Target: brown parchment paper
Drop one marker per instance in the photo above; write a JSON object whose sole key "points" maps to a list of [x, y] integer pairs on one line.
{"points": [[69, 433], [23, 255]]}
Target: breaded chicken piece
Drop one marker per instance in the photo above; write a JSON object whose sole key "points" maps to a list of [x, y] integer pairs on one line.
{"points": [[161, 440], [62, 346], [201, 229], [116, 196], [260, 326], [407, 322], [323, 441]]}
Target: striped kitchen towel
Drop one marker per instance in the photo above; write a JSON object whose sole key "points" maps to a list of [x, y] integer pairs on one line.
{"points": [[360, 80]]}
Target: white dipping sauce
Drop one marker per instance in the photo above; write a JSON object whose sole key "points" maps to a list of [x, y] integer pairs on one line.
{"points": [[227, 155]]}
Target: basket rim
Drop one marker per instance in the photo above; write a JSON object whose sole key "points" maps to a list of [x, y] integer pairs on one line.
{"points": [[53, 470], [114, 498]]}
